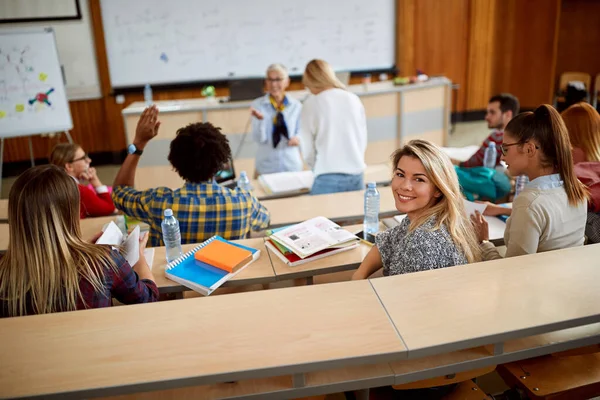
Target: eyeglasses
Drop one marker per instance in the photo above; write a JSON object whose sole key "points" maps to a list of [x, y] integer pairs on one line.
{"points": [[274, 79], [503, 147], [84, 157]]}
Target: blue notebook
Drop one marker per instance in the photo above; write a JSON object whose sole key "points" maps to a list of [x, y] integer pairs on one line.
{"points": [[199, 276]]}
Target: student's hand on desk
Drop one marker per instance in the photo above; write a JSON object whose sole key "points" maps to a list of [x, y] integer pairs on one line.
{"points": [[256, 114], [294, 141], [493, 210], [147, 127], [482, 230]]}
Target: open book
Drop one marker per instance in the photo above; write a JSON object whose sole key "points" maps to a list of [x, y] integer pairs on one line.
{"points": [[131, 244], [283, 182], [313, 236]]}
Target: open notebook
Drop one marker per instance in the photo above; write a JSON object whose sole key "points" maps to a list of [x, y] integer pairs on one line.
{"points": [[201, 276]]}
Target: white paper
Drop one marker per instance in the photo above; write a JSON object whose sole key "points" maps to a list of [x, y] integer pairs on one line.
{"points": [[112, 235], [131, 247], [460, 153], [149, 256], [471, 207], [400, 218], [282, 182]]}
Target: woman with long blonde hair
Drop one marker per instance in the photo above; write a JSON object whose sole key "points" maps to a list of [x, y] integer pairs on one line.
{"points": [[333, 132], [48, 267], [550, 213], [583, 124], [436, 232]]}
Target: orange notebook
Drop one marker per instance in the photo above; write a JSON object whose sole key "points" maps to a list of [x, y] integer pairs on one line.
{"points": [[224, 256]]}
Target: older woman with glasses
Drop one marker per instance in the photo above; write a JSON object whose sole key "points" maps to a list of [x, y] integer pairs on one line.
{"points": [[275, 118], [95, 201]]}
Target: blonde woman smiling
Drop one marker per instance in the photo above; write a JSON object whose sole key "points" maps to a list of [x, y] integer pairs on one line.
{"points": [[436, 232]]}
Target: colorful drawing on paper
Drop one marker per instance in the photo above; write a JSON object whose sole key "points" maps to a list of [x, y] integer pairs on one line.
{"points": [[42, 76], [20, 107], [42, 98]]}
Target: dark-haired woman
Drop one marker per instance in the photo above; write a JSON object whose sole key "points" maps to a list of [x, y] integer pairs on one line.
{"points": [[550, 213], [203, 208]]}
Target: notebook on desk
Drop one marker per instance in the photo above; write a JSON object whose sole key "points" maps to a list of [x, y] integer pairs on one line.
{"points": [[201, 276]]}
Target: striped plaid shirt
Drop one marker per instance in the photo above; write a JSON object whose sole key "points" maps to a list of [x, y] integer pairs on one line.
{"points": [[203, 210], [476, 159]]}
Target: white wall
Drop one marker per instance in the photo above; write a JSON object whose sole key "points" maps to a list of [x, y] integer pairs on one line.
{"points": [[75, 42]]}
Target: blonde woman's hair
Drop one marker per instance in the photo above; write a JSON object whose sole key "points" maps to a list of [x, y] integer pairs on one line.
{"points": [[46, 257], [280, 69], [63, 153], [319, 75], [583, 123], [449, 209]]}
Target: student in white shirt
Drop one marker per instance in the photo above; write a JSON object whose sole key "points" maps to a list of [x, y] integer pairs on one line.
{"points": [[550, 213], [275, 125], [333, 132]]}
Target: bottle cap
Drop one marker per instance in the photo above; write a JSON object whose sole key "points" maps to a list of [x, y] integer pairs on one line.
{"points": [[168, 212], [372, 185]]}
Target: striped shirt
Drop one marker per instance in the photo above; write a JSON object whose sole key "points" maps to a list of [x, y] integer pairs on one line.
{"points": [[476, 159], [203, 210]]}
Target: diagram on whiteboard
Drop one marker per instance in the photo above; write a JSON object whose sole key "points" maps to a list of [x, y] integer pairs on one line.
{"points": [[32, 92], [23, 89]]}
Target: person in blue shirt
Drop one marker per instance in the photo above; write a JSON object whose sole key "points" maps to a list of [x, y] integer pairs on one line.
{"points": [[275, 123]]}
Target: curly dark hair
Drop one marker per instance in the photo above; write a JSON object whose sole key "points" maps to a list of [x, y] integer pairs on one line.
{"points": [[199, 151]]}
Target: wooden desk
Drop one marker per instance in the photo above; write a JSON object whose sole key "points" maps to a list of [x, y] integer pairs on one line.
{"points": [[3, 210], [195, 341], [260, 271], [89, 228], [495, 301], [346, 207]]}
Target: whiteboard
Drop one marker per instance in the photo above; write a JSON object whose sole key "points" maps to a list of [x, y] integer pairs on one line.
{"points": [[32, 92], [177, 41]]}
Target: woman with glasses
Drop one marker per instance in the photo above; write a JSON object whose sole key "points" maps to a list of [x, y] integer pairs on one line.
{"points": [[94, 202], [275, 118], [550, 213]]}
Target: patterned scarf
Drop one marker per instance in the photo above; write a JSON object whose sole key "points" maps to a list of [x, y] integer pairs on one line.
{"points": [[279, 125]]}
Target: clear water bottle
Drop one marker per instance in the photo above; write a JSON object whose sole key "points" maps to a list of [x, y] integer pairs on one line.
{"points": [[243, 182], [171, 236], [520, 183], [371, 222], [490, 155], [148, 94]]}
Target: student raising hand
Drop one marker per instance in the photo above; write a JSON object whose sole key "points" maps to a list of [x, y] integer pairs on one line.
{"points": [[147, 127]]}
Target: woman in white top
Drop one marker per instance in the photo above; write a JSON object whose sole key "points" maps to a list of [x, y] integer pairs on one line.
{"points": [[333, 132], [550, 213], [275, 125]]}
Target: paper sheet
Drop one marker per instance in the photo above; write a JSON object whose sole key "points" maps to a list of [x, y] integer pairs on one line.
{"points": [[131, 247], [460, 153], [496, 225], [471, 207], [149, 256], [112, 235], [282, 182]]}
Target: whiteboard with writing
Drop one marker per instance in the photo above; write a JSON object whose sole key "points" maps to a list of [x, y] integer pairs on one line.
{"points": [[176, 41], [32, 92]]}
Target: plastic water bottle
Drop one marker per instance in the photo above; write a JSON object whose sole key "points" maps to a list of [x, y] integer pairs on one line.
{"points": [[171, 235], [520, 183], [148, 94], [243, 182], [489, 157], [371, 222]]}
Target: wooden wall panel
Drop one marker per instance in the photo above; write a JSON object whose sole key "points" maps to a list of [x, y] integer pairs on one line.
{"points": [[526, 34], [481, 53], [579, 37]]}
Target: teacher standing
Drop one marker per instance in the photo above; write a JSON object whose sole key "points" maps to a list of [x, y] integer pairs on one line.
{"points": [[275, 119], [333, 132]]}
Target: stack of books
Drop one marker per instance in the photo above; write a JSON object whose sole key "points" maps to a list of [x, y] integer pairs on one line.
{"points": [[210, 264], [310, 240]]}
